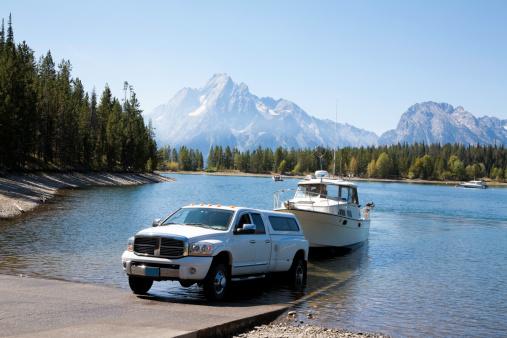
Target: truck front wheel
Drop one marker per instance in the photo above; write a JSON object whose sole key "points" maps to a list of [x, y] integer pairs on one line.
{"points": [[297, 274], [139, 285], [217, 282]]}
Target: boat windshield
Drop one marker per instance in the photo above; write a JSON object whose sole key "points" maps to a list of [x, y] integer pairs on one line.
{"points": [[332, 192], [311, 190], [217, 219]]}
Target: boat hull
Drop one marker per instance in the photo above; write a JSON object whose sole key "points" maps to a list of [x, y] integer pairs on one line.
{"points": [[470, 186], [328, 230]]}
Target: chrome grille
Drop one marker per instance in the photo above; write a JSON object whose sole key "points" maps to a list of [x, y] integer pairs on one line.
{"points": [[145, 245], [160, 246], [171, 247]]}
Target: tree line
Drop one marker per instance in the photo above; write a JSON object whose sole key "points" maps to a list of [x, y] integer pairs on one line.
{"points": [[179, 159], [416, 161], [49, 121]]}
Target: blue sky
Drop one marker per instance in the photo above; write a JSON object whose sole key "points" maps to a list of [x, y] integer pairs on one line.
{"points": [[375, 57]]}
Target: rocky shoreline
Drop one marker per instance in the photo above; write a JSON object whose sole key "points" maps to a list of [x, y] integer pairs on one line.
{"points": [[294, 324], [304, 330], [21, 193]]}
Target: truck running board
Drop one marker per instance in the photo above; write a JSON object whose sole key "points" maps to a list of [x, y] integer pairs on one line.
{"points": [[242, 278]]}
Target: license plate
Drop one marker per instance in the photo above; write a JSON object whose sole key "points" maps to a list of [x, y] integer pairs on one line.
{"points": [[151, 272], [142, 270]]}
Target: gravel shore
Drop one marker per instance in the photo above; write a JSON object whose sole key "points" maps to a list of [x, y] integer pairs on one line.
{"points": [[20, 193], [295, 324], [304, 330]]}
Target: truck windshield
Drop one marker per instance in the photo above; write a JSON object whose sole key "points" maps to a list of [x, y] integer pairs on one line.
{"points": [[217, 219]]}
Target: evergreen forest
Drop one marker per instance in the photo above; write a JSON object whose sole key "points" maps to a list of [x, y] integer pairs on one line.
{"points": [[417, 161], [49, 122]]}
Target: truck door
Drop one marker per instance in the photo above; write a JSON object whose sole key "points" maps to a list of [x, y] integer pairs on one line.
{"points": [[262, 244], [244, 247]]}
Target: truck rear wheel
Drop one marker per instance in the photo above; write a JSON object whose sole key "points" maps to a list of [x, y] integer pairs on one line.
{"points": [[139, 285], [297, 274], [216, 284]]}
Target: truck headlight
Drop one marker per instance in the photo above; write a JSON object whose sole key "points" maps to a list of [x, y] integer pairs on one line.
{"points": [[200, 249], [130, 244]]}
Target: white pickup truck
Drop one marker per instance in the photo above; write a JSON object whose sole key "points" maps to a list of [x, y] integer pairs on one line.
{"points": [[213, 245]]}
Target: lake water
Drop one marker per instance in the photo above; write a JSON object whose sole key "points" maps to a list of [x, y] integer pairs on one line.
{"points": [[435, 264]]}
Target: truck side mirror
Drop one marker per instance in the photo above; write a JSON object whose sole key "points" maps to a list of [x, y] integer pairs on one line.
{"points": [[156, 222], [247, 229]]}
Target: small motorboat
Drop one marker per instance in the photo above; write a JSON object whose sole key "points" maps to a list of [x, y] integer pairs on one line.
{"points": [[277, 178], [475, 184], [328, 210]]}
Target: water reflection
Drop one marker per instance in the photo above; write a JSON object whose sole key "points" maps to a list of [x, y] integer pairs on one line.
{"points": [[434, 265]]}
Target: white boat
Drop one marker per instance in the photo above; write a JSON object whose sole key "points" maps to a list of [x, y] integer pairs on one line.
{"points": [[474, 184], [328, 210]]}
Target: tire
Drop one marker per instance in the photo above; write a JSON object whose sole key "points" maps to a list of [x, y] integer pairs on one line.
{"points": [[186, 283], [297, 274], [139, 285], [217, 282]]}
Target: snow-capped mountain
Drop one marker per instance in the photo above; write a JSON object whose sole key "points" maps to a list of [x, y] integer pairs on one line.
{"points": [[226, 113], [431, 122]]}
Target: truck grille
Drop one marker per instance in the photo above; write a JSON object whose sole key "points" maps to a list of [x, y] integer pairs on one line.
{"points": [[159, 246], [145, 245]]}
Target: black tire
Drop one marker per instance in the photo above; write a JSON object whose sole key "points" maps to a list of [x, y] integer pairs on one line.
{"points": [[139, 285], [297, 274], [217, 282], [186, 283]]}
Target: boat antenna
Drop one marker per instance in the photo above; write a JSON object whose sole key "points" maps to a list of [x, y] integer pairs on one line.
{"points": [[320, 160], [320, 155], [336, 138]]}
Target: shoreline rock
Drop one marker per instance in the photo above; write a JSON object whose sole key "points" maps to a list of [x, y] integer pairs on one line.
{"points": [[21, 193], [304, 330]]}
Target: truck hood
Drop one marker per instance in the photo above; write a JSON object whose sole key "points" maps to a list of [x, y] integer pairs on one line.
{"points": [[188, 231]]}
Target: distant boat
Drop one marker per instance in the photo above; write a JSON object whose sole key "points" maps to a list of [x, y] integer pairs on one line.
{"points": [[277, 178], [474, 184]]}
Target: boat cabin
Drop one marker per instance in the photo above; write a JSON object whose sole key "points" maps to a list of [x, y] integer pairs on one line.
{"points": [[337, 190]]}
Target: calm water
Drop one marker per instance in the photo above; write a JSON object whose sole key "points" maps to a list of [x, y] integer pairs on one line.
{"points": [[435, 264]]}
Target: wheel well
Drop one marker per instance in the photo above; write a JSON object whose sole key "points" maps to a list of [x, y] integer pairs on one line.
{"points": [[224, 257], [300, 254]]}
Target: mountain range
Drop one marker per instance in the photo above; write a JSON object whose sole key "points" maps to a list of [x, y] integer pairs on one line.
{"points": [[432, 122], [224, 112]]}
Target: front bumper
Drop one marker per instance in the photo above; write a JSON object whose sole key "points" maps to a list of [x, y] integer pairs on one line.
{"points": [[185, 268]]}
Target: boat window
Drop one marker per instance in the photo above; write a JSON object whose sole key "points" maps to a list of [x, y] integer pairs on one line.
{"points": [[344, 194], [355, 199], [311, 190], [333, 192], [348, 194], [279, 223], [259, 224]]}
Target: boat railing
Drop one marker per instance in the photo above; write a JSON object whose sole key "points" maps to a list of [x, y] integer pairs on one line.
{"points": [[366, 210], [280, 197]]}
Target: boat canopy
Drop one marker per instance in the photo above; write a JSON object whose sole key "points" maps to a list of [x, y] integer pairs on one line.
{"points": [[337, 190]]}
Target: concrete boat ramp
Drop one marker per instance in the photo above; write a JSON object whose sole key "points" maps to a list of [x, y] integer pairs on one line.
{"points": [[51, 308]]}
